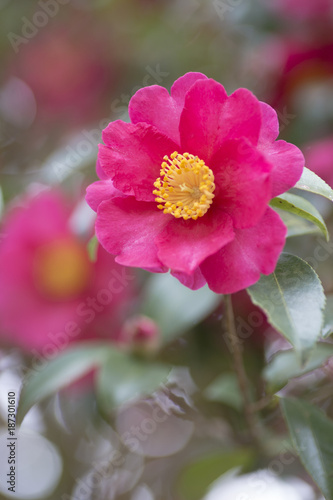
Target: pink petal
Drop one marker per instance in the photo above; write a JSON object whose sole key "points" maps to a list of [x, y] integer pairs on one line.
{"points": [[31, 219], [210, 117], [253, 251], [181, 86], [288, 162], [183, 245], [270, 124], [154, 106], [193, 281], [101, 191], [242, 116], [287, 159], [38, 320], [132, 157], [127, 228], [99, 171], [243, 187], [200, 120]]}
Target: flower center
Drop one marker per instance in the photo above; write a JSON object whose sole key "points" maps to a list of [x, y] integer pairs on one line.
{"points": [[62, 269], [186, 186]]}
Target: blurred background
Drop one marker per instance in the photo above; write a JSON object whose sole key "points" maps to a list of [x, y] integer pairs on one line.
{"points": [[68, 68]]}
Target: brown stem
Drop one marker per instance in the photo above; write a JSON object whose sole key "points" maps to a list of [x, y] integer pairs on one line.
{"points": [[250, 416], [261, 404]]}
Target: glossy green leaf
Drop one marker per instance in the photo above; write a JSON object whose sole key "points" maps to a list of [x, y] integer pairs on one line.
{"points": [[301, 207], [328, 320], [52, 376], [195, 478], [297, 226], [312, 435], [92, 248], [225, 389], [314, 184], [174, 307], [285, 365], [294, 301], [124, 377]]}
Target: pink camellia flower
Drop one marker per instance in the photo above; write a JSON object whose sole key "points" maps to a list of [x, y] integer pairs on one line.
{"points": [[50, 292], [319, 158], [189, 184]]}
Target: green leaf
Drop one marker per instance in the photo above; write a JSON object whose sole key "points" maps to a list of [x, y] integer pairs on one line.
{"points": [[312, 435], [92, 248], [174, 307], [225, 389], [124, 377], [60, 372], [301, 207], [196, 477], [314, 184], [295, 225], [2, 203], [294, 301], [328, 320], [285, 365]]}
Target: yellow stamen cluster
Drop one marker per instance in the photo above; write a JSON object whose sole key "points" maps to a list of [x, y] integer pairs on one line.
{"points": [[186, 186], [61, 269]]}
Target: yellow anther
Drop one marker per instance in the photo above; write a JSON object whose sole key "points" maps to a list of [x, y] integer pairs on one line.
{"points": [[185, 187]]}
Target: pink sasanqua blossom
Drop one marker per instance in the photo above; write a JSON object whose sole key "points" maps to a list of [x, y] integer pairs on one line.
{"points": [[187, 184], [51, 294]]}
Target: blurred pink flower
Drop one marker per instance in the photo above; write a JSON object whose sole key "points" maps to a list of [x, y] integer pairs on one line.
{"points": [[50, 292], [302, 10], [288, 64], [68, 72], [319, 158], [189, 184]]}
